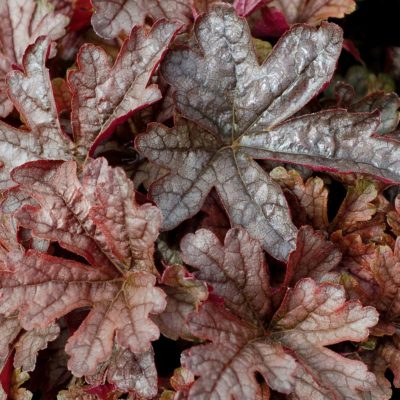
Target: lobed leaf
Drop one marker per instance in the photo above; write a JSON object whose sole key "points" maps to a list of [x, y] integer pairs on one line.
{"points": [[23, 21], [117, 284], [116, 91], [216, 86], [31, 92]]}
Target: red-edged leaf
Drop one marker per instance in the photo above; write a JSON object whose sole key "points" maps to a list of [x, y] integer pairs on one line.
{"points": [[23, 21], [116, 91], [238, 350], [111, 18], [289, 349], [216, 88], [237, 270], [312, 194], [31, 92], [184, 295], [312, 317], [118, 285], [314, 257]]}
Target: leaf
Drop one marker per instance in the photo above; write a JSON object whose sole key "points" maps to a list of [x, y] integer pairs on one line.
{"points": [[184, 295], [236, 270], [312, 194], [312, 317], [216, 88], [247, 7], [288, 350], [117, 285], [119, 16], [23, 21], [314, 257], [31, 92], [29, 345], [313, 11], [238, 350], [116, 91], [357, 206]]}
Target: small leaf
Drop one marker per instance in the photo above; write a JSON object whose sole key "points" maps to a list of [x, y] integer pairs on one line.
{"points": [[184, 296], [313, 11]]}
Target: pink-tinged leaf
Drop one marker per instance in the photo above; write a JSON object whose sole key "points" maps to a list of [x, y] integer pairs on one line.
{"points": [[312, 317], [116, 91], [386, 274], [31, 92], [237, 270], [29, 345], [129, 230], [393, 217], [292, 343], [312, 194], [216, 90], [314, 257], [387, 104], [247, 7], [313, 11], [111, 18], [9, 330], [272, 23], [134, 372], [44, 288], [184, 296], [23, 21], [118, 286], [238, 350], [357, 206]]}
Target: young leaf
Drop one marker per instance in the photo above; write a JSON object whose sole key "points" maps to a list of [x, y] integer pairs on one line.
{"points": [[312, 194], [117, 91], [23, 21], [313, 258], [313, 11], [216, 88], [184, 296], [119, 16], [236, 270], [118, 285]]}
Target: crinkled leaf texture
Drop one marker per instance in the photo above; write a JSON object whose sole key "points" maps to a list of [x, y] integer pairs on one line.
{"points": [[98, 219], [104, 95], [32, 94], [22, 22], [236, 110], [290, 354], [119, 16]]}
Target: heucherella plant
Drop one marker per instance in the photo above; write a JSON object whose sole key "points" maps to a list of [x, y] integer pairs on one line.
{"points": [[187, 212]]}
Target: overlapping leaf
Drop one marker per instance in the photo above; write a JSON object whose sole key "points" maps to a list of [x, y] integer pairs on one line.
{"points": [[117, 242], [119, 16], [313, 11], [216, 88], [23, 21], [31, 92], [290, 353], [115, 92]]}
